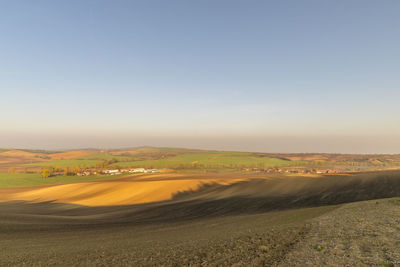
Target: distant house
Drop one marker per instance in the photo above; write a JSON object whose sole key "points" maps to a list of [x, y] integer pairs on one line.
{"points": [[137, 170], [112, 172], [85, 173]]}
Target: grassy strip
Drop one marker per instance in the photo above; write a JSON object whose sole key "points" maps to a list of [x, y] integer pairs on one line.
{"points": [[35, 179], [208, 160], [66, 163]]}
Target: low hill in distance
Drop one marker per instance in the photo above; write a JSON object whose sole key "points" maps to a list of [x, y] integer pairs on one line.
{"points": [[188, 207], [191, 160]]}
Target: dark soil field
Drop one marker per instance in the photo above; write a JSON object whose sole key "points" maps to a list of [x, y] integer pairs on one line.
{"points": [[32, 240], [357, 234], [260, 222]]}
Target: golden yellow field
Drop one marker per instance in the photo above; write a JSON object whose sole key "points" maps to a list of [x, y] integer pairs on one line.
{"points": [[123, 191]]}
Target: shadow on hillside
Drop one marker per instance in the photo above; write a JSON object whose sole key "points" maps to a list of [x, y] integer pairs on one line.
{"points": [[247, 197]]}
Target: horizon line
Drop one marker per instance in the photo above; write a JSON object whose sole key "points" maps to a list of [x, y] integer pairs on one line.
{"points": [[183, 148]]}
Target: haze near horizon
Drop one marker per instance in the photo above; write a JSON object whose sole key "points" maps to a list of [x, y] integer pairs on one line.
{"points": [[266, 76]]}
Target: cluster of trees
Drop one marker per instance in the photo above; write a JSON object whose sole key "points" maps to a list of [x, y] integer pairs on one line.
{"points": [[14, 170], [72, 171], [105, 163], [46, 173], [67, 171]]}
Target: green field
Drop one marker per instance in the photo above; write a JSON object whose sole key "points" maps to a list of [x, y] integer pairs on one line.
{"points": [[67, 163], [185, 160], [34, 179], [102, 157], [179, 160], [215, 160], [88, 161]]}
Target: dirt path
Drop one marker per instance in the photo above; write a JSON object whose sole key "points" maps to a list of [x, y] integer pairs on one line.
{"points": [[357, 234]]}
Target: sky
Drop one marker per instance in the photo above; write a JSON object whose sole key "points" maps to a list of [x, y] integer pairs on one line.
{"points": [[267, 76]]}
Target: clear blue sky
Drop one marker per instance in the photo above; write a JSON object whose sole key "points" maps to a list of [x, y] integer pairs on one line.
{"points": [[278, 76]]}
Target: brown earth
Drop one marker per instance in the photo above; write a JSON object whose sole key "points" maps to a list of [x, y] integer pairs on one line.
{"points": [[133, 189], [17, 158], [332, 157], [133, 151], [60, 235], [256, 222], [123, 191], [357, 234], [292, 191], [70, 154]]}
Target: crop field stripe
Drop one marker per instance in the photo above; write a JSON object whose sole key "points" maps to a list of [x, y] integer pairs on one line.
{"points": [[35, 179]]}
